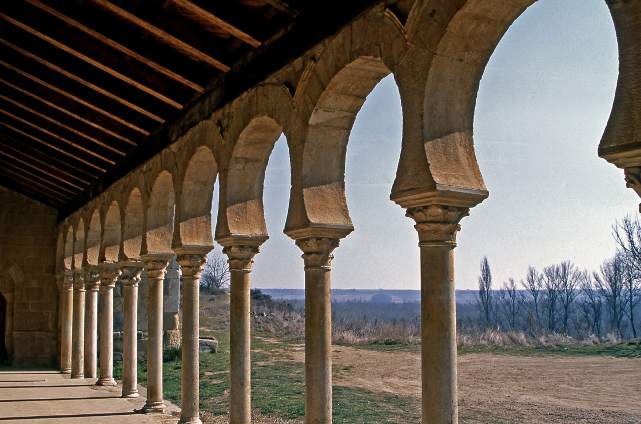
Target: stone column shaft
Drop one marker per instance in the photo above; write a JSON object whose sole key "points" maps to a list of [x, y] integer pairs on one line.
{"points": [[156, 266], [66, 328], [92, 285], [130, 281], [240, 263], [318, 328], [78, 336], [108, 277], [437, 227], [191, 263]]}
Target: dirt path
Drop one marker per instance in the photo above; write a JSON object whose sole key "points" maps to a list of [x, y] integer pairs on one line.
{"points": [[546, 389]]}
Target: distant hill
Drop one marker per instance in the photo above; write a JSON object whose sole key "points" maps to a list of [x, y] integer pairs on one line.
{"points": [[379, 296]]}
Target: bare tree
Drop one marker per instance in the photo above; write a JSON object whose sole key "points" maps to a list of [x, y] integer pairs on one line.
{"points": [[627, 234], [610, 284], [569, 279], [485, 292], [591, 304], [551, 285], [534, 286], [215, 276], [509, 300], [631, 291]]}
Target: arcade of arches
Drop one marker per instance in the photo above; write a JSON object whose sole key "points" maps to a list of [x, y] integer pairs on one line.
{"points": [[437, 51]]}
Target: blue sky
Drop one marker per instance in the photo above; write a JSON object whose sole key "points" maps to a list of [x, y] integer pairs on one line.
{"points": [[542, 106]]}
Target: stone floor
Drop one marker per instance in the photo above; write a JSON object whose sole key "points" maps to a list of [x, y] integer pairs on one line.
{"points": [[36, 396]]}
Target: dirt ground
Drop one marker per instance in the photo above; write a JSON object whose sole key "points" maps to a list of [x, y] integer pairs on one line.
{"points": [[510, 389]]}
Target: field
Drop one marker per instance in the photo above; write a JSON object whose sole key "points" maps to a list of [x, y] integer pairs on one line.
{"points": [[380, 383]]}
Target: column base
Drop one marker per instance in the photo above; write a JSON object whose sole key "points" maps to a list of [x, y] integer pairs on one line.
{"points": [[77, 376], [131, 395], [189, 420], [107, 381], [153, 408], [65, 371]]}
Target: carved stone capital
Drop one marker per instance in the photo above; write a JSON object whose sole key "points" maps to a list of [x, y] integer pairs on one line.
{"points": [[317, 251], [192, 260], [633, 179], [67, 283], [156, 265], [92, 278], [109, 274], [130, 273], [79, 280], [437, 225], [240, 257]]}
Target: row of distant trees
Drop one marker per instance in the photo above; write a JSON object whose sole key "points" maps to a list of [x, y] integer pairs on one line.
{"points": [[563, 299]]}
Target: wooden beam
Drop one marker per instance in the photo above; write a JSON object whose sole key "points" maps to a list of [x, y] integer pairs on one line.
{"points": [[115, 45], [82, 81], [16, 153], [74, 98], [28, 191], [160, 35], [51, 146], [104, 68], [20, 148], [283, 7], [66, 112], [44, 171], [64, 126], [207, 19], [57, 137], [35, 179]]}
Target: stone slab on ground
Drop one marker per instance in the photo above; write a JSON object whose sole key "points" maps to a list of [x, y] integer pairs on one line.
{"points": [[40, 396]]}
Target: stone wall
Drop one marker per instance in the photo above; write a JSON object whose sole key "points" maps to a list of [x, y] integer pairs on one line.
{"points": [[27, 267]]}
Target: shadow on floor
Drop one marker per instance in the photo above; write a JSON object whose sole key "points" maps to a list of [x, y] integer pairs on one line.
{"points": [[50, 417]]}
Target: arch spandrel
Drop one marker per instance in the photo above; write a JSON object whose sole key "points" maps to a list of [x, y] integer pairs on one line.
{"points": [[255, 123], [79, 244], [195, 199], [94, 234], [159, 218], [322, 160], [133, 228], [112, 232], [68, 251], [621, 141]]}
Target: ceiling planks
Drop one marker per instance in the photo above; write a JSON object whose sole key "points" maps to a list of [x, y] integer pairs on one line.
{"points": [[90, 89]]}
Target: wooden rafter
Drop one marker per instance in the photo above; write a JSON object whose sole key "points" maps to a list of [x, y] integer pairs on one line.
{"points": [[98, 65], [115, 45], [36, 179], [42, 169], [20, 149], [206, 19], [74, 98], [51, 146], [29, 191], [57, 137], [161, 35], [61, 125], [66, 112], [87, 84]]}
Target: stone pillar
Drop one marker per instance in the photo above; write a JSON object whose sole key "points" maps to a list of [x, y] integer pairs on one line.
{"points": [[191, 261], [78, 336], [92, 285], [66, 328], [317, 254], [155, 266], [437, 226], [240, 254], [109, 274], [130, 277]]}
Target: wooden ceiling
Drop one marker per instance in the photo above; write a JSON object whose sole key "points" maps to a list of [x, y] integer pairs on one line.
{"points": [[89, 89]]}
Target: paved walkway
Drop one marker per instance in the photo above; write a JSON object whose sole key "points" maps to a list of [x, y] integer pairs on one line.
{"points": [[49, 397]]}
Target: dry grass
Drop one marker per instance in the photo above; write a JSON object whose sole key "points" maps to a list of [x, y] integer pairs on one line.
{"points": [[257, 418]]}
